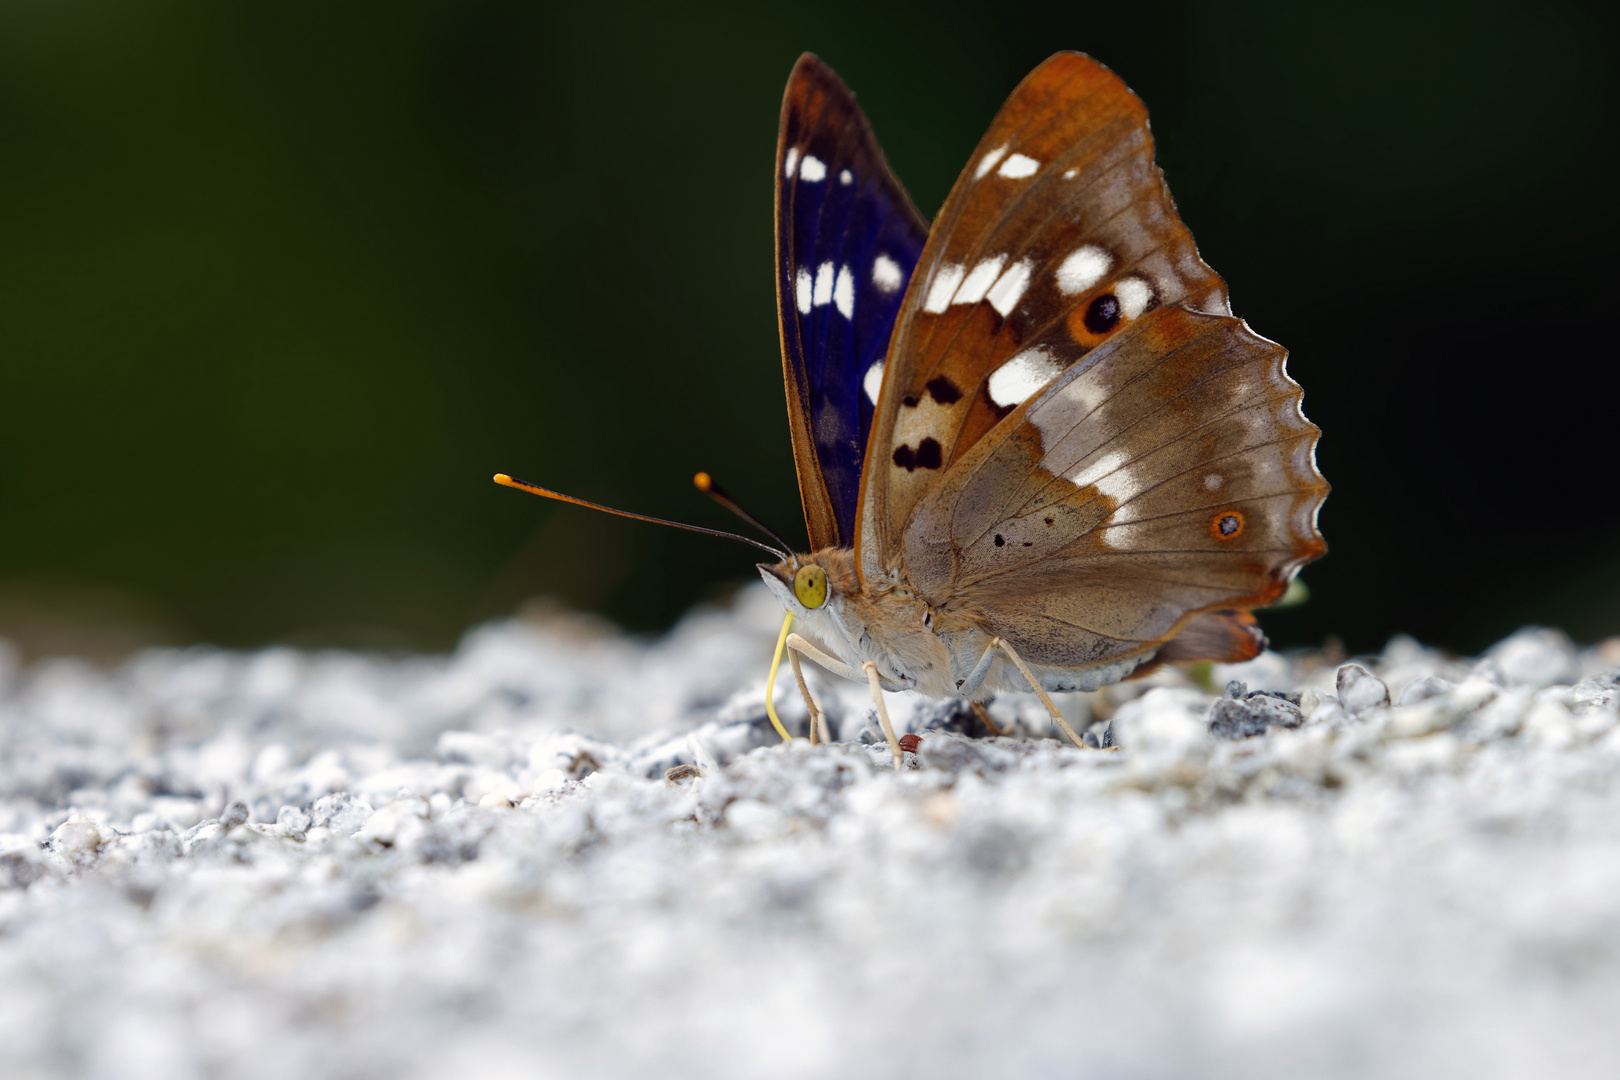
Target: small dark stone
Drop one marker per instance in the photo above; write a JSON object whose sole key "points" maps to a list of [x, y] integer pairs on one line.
{"points": [[958, 716], [234, 815], [1100, 735], [1243, 718], [583, 764], [20, 868]]}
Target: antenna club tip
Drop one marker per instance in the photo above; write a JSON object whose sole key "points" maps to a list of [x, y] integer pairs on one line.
{"points": [[503, 479], [703, 481]]}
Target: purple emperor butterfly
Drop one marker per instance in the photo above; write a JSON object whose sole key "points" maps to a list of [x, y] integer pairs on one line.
{"points": [[1035, 448]]}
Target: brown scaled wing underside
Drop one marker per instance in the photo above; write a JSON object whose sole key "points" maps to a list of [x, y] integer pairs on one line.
{"points": [[1077, 446], [1169, 474]]}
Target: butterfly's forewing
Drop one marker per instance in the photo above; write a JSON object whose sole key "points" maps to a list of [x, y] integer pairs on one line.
{"points": [[1058, 235], [847, 239], [1078, 447]]}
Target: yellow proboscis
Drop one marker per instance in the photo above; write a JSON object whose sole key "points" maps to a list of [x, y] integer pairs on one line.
{"points": [[770, 683]]}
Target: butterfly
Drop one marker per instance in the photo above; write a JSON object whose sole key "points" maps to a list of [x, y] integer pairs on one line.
{"points": [[1035, 449]]}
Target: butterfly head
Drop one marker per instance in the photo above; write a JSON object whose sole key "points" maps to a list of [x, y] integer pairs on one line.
{"points": [[811, 585]]}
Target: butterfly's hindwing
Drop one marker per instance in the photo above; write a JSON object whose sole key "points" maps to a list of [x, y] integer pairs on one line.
{"points": [[1170, 473], [847, 239]]}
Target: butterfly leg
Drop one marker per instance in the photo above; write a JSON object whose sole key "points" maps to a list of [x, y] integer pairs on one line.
{"points": [[818, 721], [883, 714], [980, 670], [1040, 692], [984, 718], [797, 644]]}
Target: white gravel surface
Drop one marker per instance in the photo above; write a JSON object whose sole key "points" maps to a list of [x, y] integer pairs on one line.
{"points": [[311, 865]]}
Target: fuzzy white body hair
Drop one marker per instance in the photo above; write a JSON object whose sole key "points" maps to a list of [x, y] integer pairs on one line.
{"points": [[896, 630]]}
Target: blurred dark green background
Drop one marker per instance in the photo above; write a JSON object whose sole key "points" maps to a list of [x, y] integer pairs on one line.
{"points": [[281, 285]]}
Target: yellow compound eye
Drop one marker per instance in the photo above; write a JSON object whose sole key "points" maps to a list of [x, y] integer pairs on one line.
{"points": [[810, 586]]}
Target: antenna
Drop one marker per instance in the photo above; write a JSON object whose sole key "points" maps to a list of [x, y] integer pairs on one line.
{"points": [[535, 489], [706, 484]]}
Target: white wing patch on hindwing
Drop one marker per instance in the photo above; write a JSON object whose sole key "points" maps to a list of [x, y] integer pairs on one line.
{"points": [[1063, 411], [1109, 474]]}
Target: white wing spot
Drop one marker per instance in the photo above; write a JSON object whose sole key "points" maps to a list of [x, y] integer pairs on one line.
{"points": [[885, 274], [790, 162], [801, 289], [1109, 475], [1013, 382], [988, 162], [979, 281], [873, 383], [948, 277], [1082, 269], [1067, 409], [824, 285], [1213, 481], [1009, 289], [1018, 166], [844, 292], [1119, 537], [846, 178], [1068, 174], [1133, 295], [812, 170]]}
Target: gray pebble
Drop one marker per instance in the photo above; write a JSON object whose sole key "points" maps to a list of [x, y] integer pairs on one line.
{"points": [[1360, 691], [234, 815]]}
